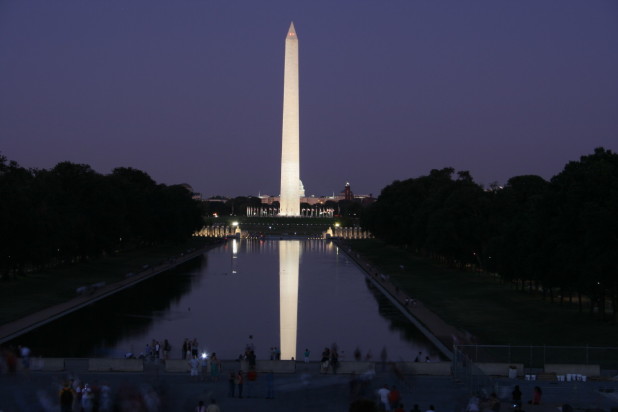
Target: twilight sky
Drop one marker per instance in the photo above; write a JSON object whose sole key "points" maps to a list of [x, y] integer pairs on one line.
{"points": [[191, 91]]}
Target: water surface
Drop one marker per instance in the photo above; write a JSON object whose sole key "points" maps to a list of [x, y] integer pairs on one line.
{"points": [[293, 294]]}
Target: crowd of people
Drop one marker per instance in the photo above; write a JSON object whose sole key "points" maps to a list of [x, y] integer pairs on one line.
{"points": [[75, 395]]}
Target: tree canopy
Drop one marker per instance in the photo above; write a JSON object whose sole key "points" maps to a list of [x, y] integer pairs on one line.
{"points": [[71, 212], [559, 235]]}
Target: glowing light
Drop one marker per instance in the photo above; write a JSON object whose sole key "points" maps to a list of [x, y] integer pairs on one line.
{"points": [[289, 258]]}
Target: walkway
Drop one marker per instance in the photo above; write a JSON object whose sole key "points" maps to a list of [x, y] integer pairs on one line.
{"points": [[11, 330], [303, 391], [447, 334]]}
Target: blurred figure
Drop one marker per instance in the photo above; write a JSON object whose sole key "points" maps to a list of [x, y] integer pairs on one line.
{"points": [[270, 385], [24, 353], [213, 407], [215, 367], [394, 397], [200, 407], [516, 397], [231, 384], [251, 379], [383, 393], [239, 383], [536, 396], [66, 398], [105, 403]]}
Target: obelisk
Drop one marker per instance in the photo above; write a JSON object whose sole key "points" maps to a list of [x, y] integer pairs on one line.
{"points": [[289, 200]]}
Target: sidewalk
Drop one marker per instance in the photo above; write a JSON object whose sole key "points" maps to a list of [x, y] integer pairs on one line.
{"points": [[305, 390], [11, 330], [447, 334]]}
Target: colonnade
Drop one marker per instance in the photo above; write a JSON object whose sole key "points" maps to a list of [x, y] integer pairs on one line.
{"points": [[218, 231], [332, 232], [270, 211], [355, 232]]}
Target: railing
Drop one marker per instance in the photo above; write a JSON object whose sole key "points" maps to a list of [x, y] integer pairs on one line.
{"points": [[536, 357], [465, 371]]}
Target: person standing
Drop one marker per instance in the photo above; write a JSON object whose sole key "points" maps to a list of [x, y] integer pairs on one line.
{"points": [[105, 402], [166, 349], [306, 355], [383, 393], [24, 353], [87, 401], [213, 407], [270, 385], [200, 407], [394, 397], [194, 365], [536, 396], [239, 383], [516, 397], [66, 398], [184, 348], [251, 378], [334, 359], [215, 367], [232, 384]]}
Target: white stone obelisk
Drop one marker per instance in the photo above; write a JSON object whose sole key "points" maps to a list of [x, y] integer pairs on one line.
{"points": [[290, 163]]}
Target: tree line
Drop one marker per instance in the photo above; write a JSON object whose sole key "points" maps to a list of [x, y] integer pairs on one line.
{"points": [[559, 237], [71, 212]]}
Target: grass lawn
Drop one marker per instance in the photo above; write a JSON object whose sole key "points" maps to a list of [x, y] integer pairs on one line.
{"points": [[492, 311], [37, 291]]}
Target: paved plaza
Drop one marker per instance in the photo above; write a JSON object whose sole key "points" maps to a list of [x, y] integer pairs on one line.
{"points": [[305, 390]]}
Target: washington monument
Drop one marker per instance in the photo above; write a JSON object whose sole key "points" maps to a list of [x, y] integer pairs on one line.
{"points": [[290, 165]]}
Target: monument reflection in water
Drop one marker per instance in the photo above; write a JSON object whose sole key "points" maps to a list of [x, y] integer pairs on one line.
{"points": [[289, 261], [294, 294]]}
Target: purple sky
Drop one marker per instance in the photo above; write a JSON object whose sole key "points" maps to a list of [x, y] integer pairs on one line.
{"points": [[191, 90]]}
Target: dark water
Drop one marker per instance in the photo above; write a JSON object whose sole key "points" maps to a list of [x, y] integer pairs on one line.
{"points": [[293, 294]]}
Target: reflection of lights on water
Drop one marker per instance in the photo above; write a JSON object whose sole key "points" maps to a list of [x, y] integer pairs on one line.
{"points": [[289, 258], [234, 253]]}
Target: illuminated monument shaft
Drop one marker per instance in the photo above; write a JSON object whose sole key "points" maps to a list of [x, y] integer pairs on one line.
{"points": [[290, 164]]}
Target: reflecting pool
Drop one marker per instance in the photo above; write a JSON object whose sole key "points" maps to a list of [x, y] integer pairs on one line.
{"points": [[290, 294]]}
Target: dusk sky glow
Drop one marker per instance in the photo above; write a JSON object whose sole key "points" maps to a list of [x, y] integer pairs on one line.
{"points": [[191, 91]]}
